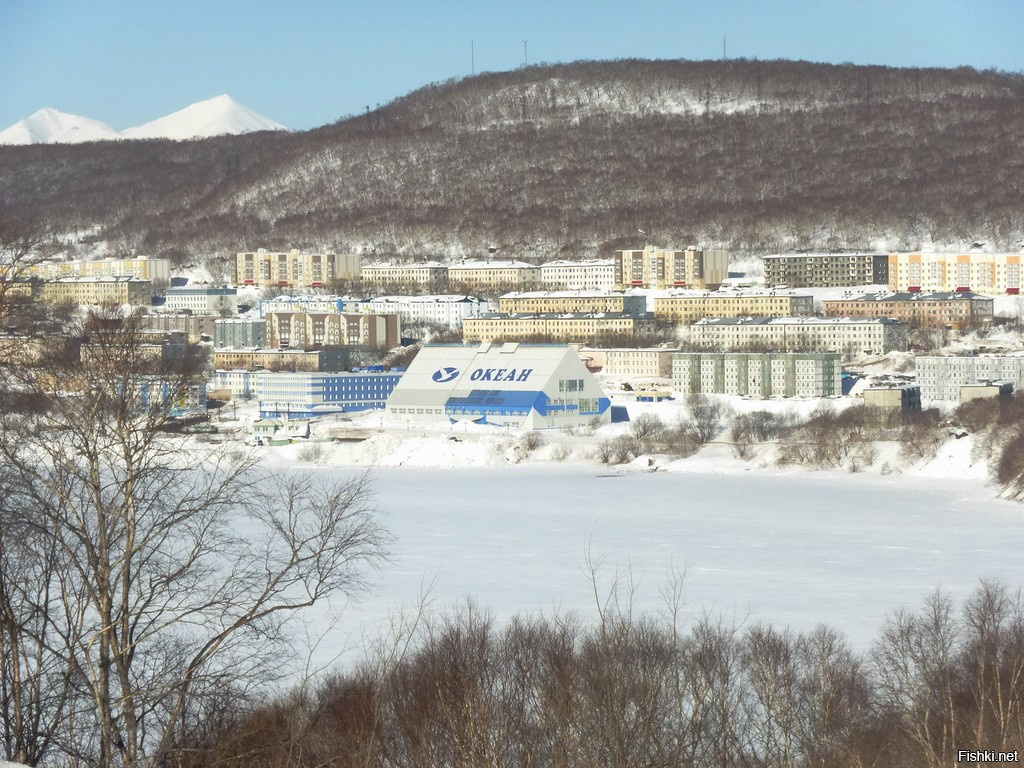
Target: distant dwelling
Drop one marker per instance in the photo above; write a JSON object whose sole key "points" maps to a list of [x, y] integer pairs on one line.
{"points": [[308, 395], [431, 276], [799, 334], [202, 300], [658, 268], [826, 270], [929, 310], [448, 310], [687, 307], [577, 327], [942, 378], [758, 374], [239, 332], [301, 303], [280, 431], [987, 273], [294, 269], [141, 267], [97, 290], [194, 326], [522, 385], [326, 359], [589, 275], [905, 398], [310, 330], [572, 301], [493, 275], [985, 390], [644, 362]]}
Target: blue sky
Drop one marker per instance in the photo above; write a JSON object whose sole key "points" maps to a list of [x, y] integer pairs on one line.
{"points": [[306, 63]]}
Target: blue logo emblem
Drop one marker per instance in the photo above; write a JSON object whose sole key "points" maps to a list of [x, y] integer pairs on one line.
{"points": [[442, 375]]}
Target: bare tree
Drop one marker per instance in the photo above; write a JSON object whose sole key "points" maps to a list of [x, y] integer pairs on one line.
{"points": [[186, 562]]}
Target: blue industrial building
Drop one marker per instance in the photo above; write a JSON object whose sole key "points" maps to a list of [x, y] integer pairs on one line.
{"points": [[308, 395]]}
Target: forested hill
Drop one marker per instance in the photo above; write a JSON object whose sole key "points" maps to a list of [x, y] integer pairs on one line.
{"points": [[571, 160]]}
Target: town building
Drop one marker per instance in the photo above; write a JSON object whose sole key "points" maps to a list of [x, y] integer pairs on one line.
{"points": [[307, 330], [826, 270], [492, 276], [986, 390], [327, 359], [758, 374], [986, 273], [942, 377], [294, 269], [687, 307], [572, 301], [301, 303], [97, 290], [202, 300], [905, 398], [427, 276], [657, 268], [195, 327], [928, 310], [579, 327], [588, 275], [448, 310], [645, 362], [848, 336], [239, 381], [240, 332], [141, 267], [308, 395], [521, 385]]}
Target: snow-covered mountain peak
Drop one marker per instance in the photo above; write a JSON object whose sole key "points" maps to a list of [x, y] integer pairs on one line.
{"points": [[50, 126], [213, 117]]}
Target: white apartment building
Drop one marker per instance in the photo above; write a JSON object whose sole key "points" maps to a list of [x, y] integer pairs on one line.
{"points": [[493, 275], [758, 374], [572, 301], [202, 300], [295, 269], [648, 362], [301, 304], [448, 310], [941, 377], [985, 273], [589, 275], [846, 335], [658, 268], [98, 290]]}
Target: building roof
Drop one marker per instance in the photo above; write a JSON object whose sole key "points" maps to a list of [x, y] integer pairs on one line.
{"points": [[591, 294], [845, 255], [798, 321], [912, 297]]}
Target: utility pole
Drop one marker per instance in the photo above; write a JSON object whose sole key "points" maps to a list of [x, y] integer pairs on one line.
{"points": [[472, 57], [526, 59]]}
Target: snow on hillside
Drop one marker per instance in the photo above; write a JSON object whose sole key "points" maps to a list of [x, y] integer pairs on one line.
{"points": [[213, 117], [49, 126]]}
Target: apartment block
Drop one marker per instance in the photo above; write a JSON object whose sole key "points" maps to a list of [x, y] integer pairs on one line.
{"points": [[688, 307], [929, 310], [656, 268], [589, 275], [572, 301], [427, 275], [646, 362], [448, 310], [98, 290], [240, 332], [758, 374], [141, 267], [942, 377], [202, 300], [800, 334], [579, 327], [327, 359], [194, 327], [492, 275], [826, 270], [986, 273], [294, 269], [307, 330]]}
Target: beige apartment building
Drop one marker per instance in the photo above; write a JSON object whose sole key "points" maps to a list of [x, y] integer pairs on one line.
{"points": [[986, 273], [195, 327], [294, 269], [660, 269], [427, 275], [280, 359], [97, 290], [929, 310], [306, 330], [570, 327], [571, 301], [589, 275], [492, 276], [846, 335], [647, 362], [690, 307], [142, 267]]}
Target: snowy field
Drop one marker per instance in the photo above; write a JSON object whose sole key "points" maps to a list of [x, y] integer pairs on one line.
{"points": [[790, 549]]}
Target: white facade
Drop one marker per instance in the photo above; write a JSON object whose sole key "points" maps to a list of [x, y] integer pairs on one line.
{"points": [[650, 362], [592, 275], [524, 385], [301, 304], [202, 300], [448, 310], [941, 378], [806, 334]]}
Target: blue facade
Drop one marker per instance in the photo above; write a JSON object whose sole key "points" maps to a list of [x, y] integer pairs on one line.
{"points": [[319, 394]]}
